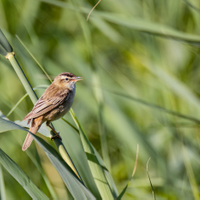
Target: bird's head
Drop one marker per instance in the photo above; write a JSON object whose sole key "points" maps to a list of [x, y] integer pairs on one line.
{"points": [[66, 80]]}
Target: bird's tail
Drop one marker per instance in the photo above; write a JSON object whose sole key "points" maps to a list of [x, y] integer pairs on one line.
{"points": [[27, 142], [35, 125]]}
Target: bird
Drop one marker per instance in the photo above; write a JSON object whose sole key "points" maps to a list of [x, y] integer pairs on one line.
{"points": [[52, 105]]}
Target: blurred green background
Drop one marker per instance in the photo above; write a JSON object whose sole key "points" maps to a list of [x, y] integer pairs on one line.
{"points": [[139, 61]]}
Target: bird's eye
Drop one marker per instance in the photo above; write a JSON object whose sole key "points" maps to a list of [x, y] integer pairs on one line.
{"points": [[66, 79]]}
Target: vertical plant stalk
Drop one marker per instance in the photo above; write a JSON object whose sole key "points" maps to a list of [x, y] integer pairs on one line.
{"points": [[98, 173], [147, 170], [134, 170], [2, 185], [22, 77], [190, 172], [7, 51]]}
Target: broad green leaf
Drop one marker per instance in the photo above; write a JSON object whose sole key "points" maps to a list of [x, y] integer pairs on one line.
{"points": [[134, 170], [123, 192], [76, 188], [72, 143], [2, 186], [7, 125], [95, 166], [38, 165], [107, 174], [20, 176]]}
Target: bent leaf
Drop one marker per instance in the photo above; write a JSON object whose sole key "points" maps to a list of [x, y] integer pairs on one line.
{"points": [[21, 177]]}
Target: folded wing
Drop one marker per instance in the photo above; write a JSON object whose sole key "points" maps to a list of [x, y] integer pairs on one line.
{"points": [[44, 105]]}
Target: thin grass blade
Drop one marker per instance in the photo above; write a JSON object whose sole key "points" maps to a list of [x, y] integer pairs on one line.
{"points": [[95, 166], [21, 177]]}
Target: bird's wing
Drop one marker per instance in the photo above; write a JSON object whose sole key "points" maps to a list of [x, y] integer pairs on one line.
{"points": [[44, 105]]}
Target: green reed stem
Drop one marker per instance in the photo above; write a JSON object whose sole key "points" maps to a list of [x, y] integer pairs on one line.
{"points": [[22, 78]]}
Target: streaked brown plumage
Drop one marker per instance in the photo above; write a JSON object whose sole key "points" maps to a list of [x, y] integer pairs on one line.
{"points": [[53, 104]]}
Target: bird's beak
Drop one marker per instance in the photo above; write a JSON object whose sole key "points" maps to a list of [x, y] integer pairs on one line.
{"points": [[78, 78]]}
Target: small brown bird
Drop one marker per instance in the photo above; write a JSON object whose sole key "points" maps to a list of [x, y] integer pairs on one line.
{"points": [[53, 104]]}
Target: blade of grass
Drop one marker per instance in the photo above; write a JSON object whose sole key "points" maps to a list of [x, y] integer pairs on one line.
{"points": [[107, 173], [147, 170], [21, 177], [75, 186], [41, 67], [96, 168], [133, 173], [22, 78], [92, 9], [191, 6], [5, 47], [37, 163], [2, 186], [191, 118], [190, 172]]}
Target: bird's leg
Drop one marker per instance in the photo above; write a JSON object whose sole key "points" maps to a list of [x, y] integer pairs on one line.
{"points": [[57, 134]]}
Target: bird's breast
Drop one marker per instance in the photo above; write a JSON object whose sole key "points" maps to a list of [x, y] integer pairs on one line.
{"points": [[66, 105], [62, 109]]}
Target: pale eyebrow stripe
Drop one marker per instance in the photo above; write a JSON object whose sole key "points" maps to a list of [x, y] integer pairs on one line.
{"points": [[64, 76]]}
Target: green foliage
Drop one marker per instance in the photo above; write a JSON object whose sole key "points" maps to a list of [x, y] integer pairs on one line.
{"points": [[21, 177], [140, 65], [4, 45]]}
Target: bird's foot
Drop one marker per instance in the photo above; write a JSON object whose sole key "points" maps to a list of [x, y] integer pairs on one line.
{"points": [[56, 136]]}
